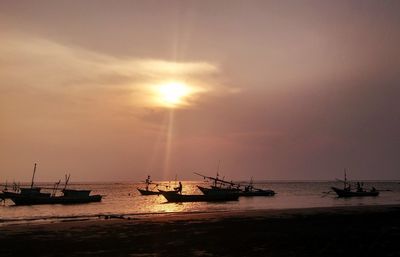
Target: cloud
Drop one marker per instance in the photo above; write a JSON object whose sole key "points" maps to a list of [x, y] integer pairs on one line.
{"points": [[48, 66]]}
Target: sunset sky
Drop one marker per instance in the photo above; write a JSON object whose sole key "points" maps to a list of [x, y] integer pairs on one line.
{"points": [[116, 90]]}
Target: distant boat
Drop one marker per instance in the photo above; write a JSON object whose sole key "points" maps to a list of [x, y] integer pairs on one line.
{"points": [[347, 193], [258, 192], [155, 191], [347, 190], [222, 186], [33, 195], [178, 198]]}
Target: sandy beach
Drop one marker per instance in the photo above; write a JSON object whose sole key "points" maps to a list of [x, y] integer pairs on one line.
{"points": [[337, 231]]}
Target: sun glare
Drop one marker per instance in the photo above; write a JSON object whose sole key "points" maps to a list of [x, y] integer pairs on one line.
{"points": [[173, 94]]}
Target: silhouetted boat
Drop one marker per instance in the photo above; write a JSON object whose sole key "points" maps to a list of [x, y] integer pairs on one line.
{"points": [[172, 196], [258, 192], [33, 195], [347, 193], [225, 187], [148, 192], [69, 197], [347, 190], [218, 190]]}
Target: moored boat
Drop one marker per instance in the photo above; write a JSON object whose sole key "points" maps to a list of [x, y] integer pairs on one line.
{"points": [[349, 193], [347, 190], [20, 199], [218, 190], [228, 187], [33, 195], [258, 192]]}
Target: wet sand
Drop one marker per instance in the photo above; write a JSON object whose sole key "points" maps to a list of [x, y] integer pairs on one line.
{"points": [[337, 231]]}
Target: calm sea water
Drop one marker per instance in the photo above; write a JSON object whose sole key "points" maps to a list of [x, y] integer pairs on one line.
{"points": [[124, 199]]}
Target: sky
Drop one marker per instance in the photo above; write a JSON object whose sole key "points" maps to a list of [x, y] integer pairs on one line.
{"points": [[274, 90]]}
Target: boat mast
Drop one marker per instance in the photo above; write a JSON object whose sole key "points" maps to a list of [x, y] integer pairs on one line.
{"points": [[66, 180], [33, 176]]}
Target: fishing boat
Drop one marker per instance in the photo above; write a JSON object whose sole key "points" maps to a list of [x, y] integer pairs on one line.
{"points": [[258, 192], [146, 190], [33, 195], [175, 197], [347, 190], [228, 187], [349, 193], [70, 197]]}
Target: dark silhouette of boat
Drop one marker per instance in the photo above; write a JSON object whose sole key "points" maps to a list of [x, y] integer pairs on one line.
{"points": [[218, 190], [348, 191], [175, 197], [69, 197], [221, 186], [148, 192], [33, 195], [258, 192]]}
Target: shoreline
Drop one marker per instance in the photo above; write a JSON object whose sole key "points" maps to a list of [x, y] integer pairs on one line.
{"points": [[48, 220], [45, 220], [327, 231]]}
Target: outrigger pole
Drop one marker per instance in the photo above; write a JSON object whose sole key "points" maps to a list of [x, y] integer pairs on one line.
{"points": [[66, 180], [33, 176], [215, 179]]}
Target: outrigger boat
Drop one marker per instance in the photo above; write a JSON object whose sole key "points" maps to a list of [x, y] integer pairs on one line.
{"points": [[347, 191], [175, 197], [33, 195], [146, 191], [222, 186]]}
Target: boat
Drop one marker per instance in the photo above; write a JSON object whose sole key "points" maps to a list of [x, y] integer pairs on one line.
{"points": [[148, 192], [258, 192], [70, 197], [347, 190], [228, 187], [175, 197], [33, 195], [218, 190], [349, 193]]}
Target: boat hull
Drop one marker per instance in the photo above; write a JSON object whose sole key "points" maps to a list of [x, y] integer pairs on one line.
{"points": [[148, 192], [345, 193], [176, 198], [213, 191], [258, 193], [20, 199]]}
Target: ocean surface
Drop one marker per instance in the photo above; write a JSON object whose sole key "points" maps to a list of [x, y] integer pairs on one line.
{"points": [[124, 199]]}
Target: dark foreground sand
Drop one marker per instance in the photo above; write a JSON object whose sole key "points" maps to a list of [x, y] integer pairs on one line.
{"points": [[344, 231]]}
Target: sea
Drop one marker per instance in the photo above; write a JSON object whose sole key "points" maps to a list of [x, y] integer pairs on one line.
{"points": [[124, 200]]}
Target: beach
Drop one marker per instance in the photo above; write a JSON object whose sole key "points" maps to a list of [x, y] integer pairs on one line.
{"points": [[331, 231]]}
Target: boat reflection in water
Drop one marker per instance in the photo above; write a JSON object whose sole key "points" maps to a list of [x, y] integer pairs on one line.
{"points": [[176, 197]]}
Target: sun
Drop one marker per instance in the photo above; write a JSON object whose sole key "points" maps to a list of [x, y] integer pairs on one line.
{"points": [[173, 94]]}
